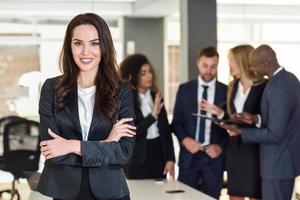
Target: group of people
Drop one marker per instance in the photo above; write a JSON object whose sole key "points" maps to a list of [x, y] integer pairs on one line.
{"points": [[94, 120]]}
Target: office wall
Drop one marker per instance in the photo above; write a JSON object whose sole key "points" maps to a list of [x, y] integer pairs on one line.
{"points": [[148, 37]]}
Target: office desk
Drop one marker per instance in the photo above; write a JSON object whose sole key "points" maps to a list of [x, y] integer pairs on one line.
{"points": [[150, 189], [139, 190]]}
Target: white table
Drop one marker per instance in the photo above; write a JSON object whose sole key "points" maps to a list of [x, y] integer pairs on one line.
{"points": [[150, 189], [140, 190]]}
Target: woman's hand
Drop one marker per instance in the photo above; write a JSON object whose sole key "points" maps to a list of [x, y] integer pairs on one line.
{"points": [[210, 108], [157, 105], [59, 146], [245, 117], [121, 129], [169, 168]]}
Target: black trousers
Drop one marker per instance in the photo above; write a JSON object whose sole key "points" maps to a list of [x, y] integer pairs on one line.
{"points": [[154, 165], [85, 189]]}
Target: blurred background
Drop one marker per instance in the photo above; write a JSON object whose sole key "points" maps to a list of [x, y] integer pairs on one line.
{"points": [[31, 34], [169, 32]]}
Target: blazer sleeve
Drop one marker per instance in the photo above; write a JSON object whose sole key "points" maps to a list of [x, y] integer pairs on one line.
{"points": [[142, 125], [280, 105], [178, 117], [223, 136], [47, 120], [95, 154], [167, 134]]}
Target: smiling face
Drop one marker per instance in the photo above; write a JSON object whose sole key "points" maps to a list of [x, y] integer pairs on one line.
{"points": [[86, 48]]}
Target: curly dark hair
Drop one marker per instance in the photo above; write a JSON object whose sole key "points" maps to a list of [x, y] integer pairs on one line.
{"points": [[107, 80], [130, 69]]}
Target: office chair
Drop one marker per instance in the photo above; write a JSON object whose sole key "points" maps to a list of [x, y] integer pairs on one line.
{"points": [[3, 121], [21, 150], [6, 119]]}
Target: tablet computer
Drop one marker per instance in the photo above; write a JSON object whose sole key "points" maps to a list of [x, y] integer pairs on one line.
{"points": [[226, 121]]}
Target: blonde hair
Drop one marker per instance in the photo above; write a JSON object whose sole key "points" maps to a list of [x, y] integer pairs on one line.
{"points": [[240, 55]]}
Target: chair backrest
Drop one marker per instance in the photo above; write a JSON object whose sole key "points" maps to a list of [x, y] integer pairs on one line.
{"points": [[3, 122], [21, 147], [6, 119]]}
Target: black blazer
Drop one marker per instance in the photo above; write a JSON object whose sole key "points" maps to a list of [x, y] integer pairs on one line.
{"points": [[143, 123], [252, 103], [242, 159], [61, 177], [184, 124]]}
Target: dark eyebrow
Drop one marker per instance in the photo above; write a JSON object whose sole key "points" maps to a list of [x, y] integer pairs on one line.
{"points": [[77, 40], [94, 40], [90, 40]]}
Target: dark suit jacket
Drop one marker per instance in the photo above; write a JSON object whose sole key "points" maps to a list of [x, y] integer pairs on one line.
{"points": [[184, 124], [279, 136], [143, 123], [61, 177]]}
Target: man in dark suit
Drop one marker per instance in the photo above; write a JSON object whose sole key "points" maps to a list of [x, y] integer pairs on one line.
{"points": [[279, 135], [201, 141]]}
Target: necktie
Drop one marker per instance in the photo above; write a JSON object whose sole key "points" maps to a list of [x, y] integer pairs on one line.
{"points": [[202, 120]]}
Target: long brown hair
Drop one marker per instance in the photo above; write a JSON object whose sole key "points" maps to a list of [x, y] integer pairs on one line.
{"points": [[107, 80]]}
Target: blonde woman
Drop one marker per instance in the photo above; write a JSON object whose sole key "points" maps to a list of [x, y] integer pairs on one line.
{"points": [[244, 95]]}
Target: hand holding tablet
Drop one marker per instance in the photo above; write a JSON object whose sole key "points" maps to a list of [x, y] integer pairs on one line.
{"points": [[232, 121]]}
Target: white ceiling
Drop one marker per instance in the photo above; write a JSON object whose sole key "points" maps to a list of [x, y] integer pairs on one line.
{"points": [[35, 11], [64, 9]]}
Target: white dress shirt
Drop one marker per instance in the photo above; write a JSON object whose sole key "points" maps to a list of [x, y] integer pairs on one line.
{"points": [[210, 98], [277, 70], [146, 108], [86, 99], [240, 97]]}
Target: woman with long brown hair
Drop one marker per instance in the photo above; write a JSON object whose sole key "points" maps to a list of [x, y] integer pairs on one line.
{"points": [[86, 118], [244, 95]]}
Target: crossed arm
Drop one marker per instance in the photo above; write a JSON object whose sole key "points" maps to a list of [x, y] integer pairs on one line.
{"points": [[59, 146], [115, 149]]}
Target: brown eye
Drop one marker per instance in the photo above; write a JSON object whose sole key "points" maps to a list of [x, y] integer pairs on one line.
{"points": [[77, 43], [94, 44], [142, 73]]}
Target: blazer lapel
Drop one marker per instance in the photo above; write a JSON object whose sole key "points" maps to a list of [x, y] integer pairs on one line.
{"points": [[218, 100], [194, 102], [99, 118], [234, 91], [194, 93], [251, 97], [95, 119], [71, 109]]}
